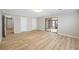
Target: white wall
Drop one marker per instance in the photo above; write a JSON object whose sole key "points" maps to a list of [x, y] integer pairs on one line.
{"points": [[41, 23], [0, 27], [67, 24], [34, 24], [29, 24], [17, 24], [26, 24], [23, 24], [78, 22]]}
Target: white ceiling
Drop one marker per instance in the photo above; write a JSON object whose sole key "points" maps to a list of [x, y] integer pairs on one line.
{"points": [[31, 13]]}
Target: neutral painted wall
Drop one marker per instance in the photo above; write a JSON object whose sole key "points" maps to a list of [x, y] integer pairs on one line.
{"points": [[26, 24], [41, 23], [29, 24], [23, 24], [34, 24], [78, 22], [68, 23], [0, 27], [17, 24]]}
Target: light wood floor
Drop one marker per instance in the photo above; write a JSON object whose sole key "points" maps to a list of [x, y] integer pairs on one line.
{"points": [[39, 40], [9, 31]]}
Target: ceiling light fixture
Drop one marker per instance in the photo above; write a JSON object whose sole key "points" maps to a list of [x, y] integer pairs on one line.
{"points": [[37, 10]]}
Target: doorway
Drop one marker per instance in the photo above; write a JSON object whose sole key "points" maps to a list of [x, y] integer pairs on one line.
{"points": [[51, 24], [9, 26]]}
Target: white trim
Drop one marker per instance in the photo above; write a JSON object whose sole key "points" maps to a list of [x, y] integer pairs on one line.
{"points": [[69, 35]]}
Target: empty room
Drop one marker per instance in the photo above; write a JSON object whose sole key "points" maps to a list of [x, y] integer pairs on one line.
{"points": [[39, 29]]}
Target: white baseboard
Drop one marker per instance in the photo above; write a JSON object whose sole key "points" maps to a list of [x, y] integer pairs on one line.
{"points": [[69, 35]]}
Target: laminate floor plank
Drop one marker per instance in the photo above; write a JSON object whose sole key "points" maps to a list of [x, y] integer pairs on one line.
{"points": [[39, 40]]}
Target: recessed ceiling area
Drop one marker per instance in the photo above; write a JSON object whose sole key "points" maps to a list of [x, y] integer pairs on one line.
{"points": [[32, 13]]}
